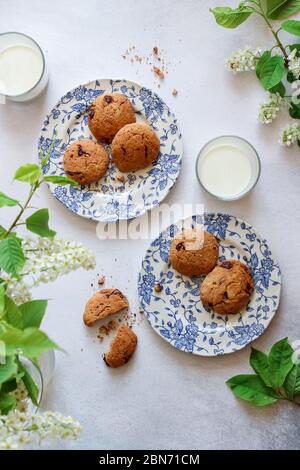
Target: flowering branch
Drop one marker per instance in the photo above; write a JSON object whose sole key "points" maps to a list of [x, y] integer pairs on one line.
{"points": [[19, 429], [41, 259], [273, 70]]}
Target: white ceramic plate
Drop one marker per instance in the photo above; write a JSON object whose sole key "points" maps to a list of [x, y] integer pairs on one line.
{"points": [[177, 313], [109, 199]]}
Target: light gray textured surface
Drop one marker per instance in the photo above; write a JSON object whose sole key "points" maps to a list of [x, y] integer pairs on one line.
{"points": [[163, 398]]}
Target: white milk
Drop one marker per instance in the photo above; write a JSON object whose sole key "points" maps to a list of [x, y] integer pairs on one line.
{"points": [[228, 167], [21, 68]]}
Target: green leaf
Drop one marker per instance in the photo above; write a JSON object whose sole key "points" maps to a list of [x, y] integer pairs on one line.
{"points": [[28, 173], [12, 314], [7, 201], [30, 384], [294, 46], [232, 18], [61, 180], [2, 299], [33, 313], [251, 388], [11, 256], [7, 403], [279, 88], [273, 6], [291, 26], [2, 232], [294, 111], [8, 370], [9, 386], [280, 362], [290, 77], [260, 364], [31, 342], [281, 9], [292, 382], [261, 61], [272, 72], [38, 223]]}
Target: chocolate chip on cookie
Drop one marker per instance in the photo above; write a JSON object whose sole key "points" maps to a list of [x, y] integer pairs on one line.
{"points": [[228, 288], [85, 161], [103, 303], [91, 112], [121, 348], [194, 252], [226, 264], [108, 99], [108, 114], [135, 147]]}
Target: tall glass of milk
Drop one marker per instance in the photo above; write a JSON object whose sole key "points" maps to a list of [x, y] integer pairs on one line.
{"points": [[22, 68], [228, 167]]}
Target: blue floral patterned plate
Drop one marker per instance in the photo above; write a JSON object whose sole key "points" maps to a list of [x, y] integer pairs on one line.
{"points": [[110, 199], [177, 313]]}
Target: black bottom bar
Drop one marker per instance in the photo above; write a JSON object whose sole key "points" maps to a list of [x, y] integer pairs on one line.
{"points": [[142, 459]]}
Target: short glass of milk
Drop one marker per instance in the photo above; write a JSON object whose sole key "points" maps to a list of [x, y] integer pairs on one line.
{"points": [[23, 73], [228, 167]]}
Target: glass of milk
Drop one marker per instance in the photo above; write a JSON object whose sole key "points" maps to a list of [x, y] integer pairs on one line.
{"points": [[22, 68], [228, 167]]}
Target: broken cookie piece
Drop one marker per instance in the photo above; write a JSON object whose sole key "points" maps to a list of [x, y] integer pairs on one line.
{"points": [[103, 303], [122, 347]]}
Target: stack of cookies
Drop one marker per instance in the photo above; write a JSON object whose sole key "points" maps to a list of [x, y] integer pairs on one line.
{"points": [[227, 287], [111, 120]]}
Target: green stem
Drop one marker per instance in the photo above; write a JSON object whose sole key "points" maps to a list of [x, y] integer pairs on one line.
{"points": [[275, 33], [23, 208]]}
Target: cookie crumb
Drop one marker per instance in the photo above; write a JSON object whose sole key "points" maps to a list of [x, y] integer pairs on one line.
{"points": [[101, 280], [158, 288], [174, 92], [121, 179], [156, 56], [106, 329], [158, 72]]}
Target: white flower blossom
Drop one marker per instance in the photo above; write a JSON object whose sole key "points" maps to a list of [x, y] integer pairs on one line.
{"points": [[20, 429], [268, 111], [46, 260], [296, 92], [294, 64], [17, 289], [290, 134], [243, 60], [21, 396]]}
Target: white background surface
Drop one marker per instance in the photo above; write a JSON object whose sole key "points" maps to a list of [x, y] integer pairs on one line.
{"points": [[163, 398]]}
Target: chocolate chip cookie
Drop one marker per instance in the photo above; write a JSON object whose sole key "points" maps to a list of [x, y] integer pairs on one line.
{"points": [[194, 252], [85, 161], [121, 348], [109, 113], [228, 288], [103, 303], [135, 147]]}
